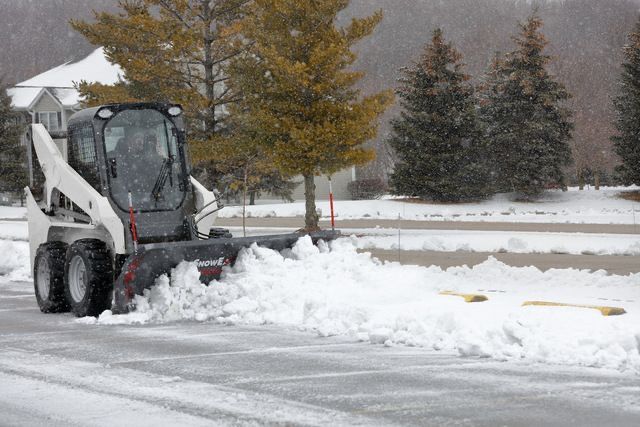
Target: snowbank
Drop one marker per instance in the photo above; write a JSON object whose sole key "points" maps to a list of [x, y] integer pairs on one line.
{"points": [[14, 261], [478, 241], [339, 291], [498, 241], [12, 212], [573, 206], [14, 230]]}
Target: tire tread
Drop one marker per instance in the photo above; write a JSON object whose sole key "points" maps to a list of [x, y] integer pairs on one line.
{"points": [[100, 277], [57, 302]]}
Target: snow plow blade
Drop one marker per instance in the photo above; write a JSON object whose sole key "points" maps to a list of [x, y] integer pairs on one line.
{"points": [[153, 260]]}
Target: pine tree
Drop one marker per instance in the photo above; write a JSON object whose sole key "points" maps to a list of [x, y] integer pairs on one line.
{"points": [[299, 89], [627, 106], [248, 168], [438, 137], [176, 51], [169, 50], [13, 173], [527, 128]]}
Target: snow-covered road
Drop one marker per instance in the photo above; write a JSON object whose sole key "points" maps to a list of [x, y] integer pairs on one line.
{"points": [[56, 371], [316, 337], [333, 290]]}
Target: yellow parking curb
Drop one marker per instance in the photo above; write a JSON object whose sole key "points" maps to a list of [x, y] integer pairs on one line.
{"points": [[467, 297], [606, 311]]}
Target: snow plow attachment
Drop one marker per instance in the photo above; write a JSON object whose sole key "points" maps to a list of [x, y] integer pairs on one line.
{"points": [[153, 260]]}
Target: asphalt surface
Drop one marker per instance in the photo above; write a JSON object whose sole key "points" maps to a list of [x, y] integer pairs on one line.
{"points": [[55, 371]]}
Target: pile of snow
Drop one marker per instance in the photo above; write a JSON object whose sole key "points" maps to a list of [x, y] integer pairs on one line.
{"points": [[14, 261], [573, 206], [12, 212], [337, 291], [14, 230], [477, 241]]}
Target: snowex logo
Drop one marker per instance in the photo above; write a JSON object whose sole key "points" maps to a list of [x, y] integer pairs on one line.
{"points": [[212, 267]]}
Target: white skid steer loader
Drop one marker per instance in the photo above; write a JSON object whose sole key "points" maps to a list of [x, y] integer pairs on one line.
{"points": [[113, 206]]}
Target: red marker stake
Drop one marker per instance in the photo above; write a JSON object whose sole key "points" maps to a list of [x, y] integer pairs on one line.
{"points": [[132, 220], [333, 219]]}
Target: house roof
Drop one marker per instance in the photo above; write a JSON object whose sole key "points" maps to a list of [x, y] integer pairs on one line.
{"points": [[59, 81], [22, 98]]}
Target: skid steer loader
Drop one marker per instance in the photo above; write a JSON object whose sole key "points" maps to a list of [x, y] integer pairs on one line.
{"points": [[113, 205]]}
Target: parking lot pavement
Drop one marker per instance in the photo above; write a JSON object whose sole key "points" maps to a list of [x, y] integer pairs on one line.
{"points": [[57, 371]]}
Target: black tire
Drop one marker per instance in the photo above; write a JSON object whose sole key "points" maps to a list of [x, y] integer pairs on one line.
{"points": [[48, 277], [88, 277]]}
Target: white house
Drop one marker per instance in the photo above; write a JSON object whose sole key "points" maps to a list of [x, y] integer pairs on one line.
{"points": [[50, 98]]}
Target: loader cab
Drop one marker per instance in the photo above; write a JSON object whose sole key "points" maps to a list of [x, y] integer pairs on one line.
{"points": [[139, 150]]}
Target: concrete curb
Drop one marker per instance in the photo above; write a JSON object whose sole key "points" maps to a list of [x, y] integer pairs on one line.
{"points": [[605, 310], [467, 297]]}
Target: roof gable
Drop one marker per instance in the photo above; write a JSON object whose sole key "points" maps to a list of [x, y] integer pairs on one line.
{"points": [[44, 93], [23, 97], [59, 81], [94, 68]]}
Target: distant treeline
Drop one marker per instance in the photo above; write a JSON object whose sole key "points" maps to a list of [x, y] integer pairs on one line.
{"points": [[586, 40]]}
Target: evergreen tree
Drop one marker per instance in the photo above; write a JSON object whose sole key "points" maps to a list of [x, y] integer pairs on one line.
{"points": [[627, 106], [526, 127], [248, 168], [437, 137], [169, 50], [299, 89], [176, 51], [13, 172]]}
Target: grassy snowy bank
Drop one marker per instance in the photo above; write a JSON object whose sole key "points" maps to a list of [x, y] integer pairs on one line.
{"points": [[479, 241], [573, 206], [341, 292], [14, 261], [498, 241]]}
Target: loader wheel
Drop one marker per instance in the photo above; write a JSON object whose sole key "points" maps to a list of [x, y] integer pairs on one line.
{"points": [[48, 277], [88, 274]]}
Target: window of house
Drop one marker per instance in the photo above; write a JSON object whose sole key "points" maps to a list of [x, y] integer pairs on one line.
{"points": [[51, 120]]}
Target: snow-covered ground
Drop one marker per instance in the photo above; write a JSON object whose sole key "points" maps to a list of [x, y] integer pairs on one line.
{"points": [[497, 241], [12, 212], [574, 206], [14, 261], [479, 241], [429, 240], [338, 291], [14, 230]]}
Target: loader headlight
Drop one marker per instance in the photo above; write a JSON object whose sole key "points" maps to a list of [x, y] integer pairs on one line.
{"points": [[174, 111], [105, 113]]}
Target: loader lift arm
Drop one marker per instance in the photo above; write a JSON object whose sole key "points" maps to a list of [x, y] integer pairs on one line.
{"points": [[59, 176]]}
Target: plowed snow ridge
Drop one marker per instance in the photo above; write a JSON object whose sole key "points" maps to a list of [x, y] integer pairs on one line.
{"points": [[334, 290]]}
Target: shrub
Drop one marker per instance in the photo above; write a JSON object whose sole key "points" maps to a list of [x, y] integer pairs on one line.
{"points": [[367, 189]]}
